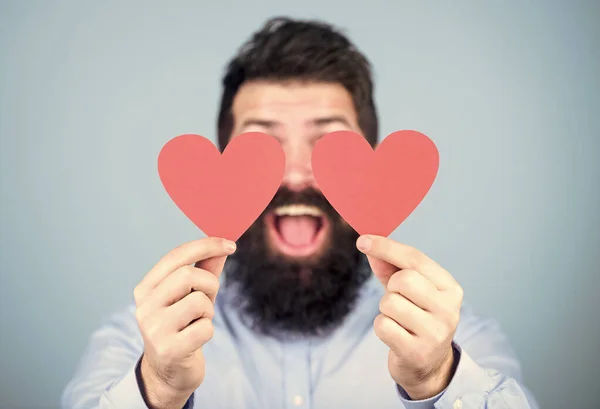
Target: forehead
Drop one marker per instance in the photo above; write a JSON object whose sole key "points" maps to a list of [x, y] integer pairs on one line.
{"points": [[292, 100]]}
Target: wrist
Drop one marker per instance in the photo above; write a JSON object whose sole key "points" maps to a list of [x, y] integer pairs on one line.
{"points": [[157, 393], [438, 381]]}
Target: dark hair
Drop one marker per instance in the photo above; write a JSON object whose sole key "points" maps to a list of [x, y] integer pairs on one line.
{"points": [[286, 49]]}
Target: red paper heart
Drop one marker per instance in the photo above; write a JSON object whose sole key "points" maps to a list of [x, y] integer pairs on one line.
{"points": [[375, 190], [222, 194]]}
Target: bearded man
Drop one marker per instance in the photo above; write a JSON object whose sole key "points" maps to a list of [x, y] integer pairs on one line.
{"points": [[301, 312]]}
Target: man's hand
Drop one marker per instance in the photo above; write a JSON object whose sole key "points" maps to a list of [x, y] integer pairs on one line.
{"points": [[174, 310], [419, 315]]}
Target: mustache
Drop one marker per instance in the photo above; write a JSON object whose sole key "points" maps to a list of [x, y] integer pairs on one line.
{"points": [[308, 197]]}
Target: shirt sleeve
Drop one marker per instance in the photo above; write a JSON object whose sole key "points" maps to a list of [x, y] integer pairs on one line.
{"points": [[488, 374], [107, 375]]}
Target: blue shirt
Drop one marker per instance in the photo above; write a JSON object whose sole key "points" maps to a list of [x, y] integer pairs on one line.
{"points": [[346, 370]]}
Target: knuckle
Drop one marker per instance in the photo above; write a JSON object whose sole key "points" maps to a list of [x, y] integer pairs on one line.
{"points": [[184, 275], [210, 281], [200, 304], [190, 308], [395, 305], [451, 321], [381, 326], [395, 282], [164, 352], [204, 330], [207, 241], [460, 292], [211, 244], [382, 304], [209, 331], [385, 304], [377, 326], [440, 334], [454, 298], [208, 309], [402, 281], [152, 332], [137, 294], [455, 320], [140, 316], [178, 249], [414, 256], [380, 244], [199, 298], [454, 326], [217, 283]]}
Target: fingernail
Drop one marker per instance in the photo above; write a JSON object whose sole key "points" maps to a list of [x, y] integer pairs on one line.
{"points": [[364, 243], [229, 246]]}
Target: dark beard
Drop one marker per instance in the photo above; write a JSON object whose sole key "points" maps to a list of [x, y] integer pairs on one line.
{"points": [[284, 298]]}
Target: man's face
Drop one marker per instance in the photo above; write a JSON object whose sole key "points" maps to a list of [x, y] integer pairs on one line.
{"points": [[297, 115], [298, 266]]}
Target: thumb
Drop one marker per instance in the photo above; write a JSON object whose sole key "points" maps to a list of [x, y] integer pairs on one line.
{"points": [[214, 265], [381, 268]]}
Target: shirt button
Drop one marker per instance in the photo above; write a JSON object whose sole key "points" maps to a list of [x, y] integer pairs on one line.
{"points": [[298, 401], [457, 404]]}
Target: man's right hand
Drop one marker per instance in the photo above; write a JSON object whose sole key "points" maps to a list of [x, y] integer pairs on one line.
{"points": [[174, 310]]}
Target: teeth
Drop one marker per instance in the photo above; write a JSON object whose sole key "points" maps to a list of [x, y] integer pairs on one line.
{"points": [[298, 210]]}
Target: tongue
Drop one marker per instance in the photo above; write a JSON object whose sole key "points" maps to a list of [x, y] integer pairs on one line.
{"points": [[298, 231]]}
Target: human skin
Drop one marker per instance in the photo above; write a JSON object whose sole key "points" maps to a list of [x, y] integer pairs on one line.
{"points": [[421, 306]]}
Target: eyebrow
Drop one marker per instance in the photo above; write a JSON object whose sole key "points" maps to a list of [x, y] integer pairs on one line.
{"points": [[331, 119], [317, 122], [259, 122]]}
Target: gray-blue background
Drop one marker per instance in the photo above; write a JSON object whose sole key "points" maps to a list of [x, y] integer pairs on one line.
{"points": [[510, 92]]}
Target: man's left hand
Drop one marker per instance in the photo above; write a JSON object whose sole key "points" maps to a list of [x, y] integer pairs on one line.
{"points": [[419, 315]]}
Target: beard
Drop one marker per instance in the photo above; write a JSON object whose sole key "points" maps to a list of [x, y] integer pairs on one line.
{"points": [[281, 296]]}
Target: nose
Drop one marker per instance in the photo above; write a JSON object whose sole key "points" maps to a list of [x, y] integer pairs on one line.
{"points": [[298, 170]]}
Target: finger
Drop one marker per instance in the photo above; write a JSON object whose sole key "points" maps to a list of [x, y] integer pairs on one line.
{"points": [[187, 254], [193, 306], [195, 335], [416, 288], [214, 264], [382, 269], [182, 282], [392, 334], [405, 313], [403, 256]]}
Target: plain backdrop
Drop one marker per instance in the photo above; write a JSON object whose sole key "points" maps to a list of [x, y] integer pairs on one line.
{"points": [[509, 91]]}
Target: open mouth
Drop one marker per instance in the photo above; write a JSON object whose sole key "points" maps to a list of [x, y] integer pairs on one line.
{"points": [[297, 230]]}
